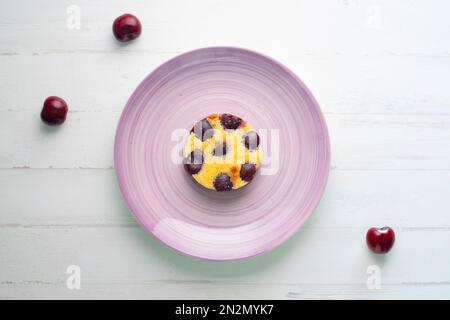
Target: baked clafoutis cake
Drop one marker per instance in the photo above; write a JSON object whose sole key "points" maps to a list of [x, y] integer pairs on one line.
{"points": [[222, 152]]}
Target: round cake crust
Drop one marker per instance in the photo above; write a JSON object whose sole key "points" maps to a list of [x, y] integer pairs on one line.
{"points": [[222, 152]]}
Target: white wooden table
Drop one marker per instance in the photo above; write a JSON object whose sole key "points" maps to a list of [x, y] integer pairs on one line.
{"points": [[380, 71]]}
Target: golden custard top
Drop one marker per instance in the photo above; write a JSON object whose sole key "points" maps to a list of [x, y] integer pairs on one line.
{"points": [[222, 152]]}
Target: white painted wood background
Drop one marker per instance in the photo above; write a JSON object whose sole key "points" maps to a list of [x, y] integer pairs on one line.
{"points": [[380, 70]]}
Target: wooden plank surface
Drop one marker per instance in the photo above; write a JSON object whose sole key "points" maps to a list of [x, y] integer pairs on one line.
{"points": [[372, 142], [380, 71], [355, 198]]}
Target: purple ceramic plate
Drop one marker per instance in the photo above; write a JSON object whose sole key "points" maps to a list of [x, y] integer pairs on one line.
{"points": [[230, 225]]}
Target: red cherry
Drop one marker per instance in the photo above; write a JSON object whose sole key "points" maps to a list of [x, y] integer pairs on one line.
{"points": [[380, 240], [126, 27], [54, 111]]}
